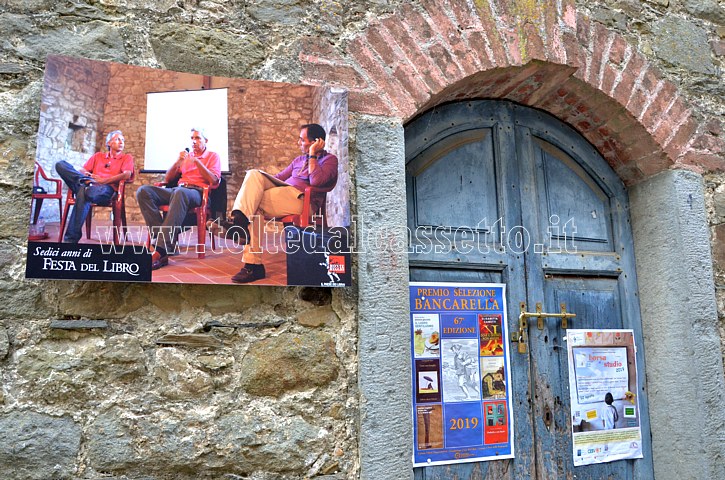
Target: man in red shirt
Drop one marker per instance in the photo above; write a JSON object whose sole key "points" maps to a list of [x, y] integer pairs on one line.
{"points": [[194, 170], [95, 182]]}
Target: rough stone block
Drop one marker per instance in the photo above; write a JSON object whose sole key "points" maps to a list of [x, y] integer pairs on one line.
{"points": [[683, 43], [37, 446], [718, 47], [344, 75], [79, 366], [4, 343], [283, 12], [251, 441], [318, 317], [110, 444], [178, 378], [78, 324], [710, 10], [98, 40], [289, 362], [179, 48]]}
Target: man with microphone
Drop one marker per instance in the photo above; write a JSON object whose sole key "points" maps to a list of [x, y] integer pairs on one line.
{"points": [[194, 170]]}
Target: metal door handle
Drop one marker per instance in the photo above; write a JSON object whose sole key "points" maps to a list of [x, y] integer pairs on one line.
{"points": [[523, 334]]}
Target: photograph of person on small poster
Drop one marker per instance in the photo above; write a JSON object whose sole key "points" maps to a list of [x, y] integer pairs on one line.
{"points": [[148, 175], [604, 405]]}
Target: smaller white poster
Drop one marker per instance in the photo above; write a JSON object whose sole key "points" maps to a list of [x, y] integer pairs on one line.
{"points": [[604, 405]]}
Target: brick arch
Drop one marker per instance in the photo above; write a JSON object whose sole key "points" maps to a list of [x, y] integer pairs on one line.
{"points": [[542, 54]]}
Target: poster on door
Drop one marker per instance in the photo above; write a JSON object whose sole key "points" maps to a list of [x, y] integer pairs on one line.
{"points": [[461, 373], [604, 406]]}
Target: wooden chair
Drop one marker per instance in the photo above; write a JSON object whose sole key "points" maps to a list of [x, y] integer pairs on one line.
{"points": [[40, 194], [118, 212]]}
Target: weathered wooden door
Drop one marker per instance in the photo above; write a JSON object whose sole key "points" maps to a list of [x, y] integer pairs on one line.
{"points": [[498, 192]]}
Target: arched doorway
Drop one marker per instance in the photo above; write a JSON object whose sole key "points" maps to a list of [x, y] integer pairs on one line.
{"points": [[512, 195]]}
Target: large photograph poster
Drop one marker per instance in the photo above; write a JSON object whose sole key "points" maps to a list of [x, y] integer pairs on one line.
{"points": [[461, 373], [107, 137], [604, 405]]}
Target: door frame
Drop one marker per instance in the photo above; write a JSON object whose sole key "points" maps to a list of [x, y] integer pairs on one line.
{"points": [[677, 300], [515, 132]]}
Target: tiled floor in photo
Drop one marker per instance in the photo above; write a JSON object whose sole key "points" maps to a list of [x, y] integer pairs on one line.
{"points": [[217, 267]]}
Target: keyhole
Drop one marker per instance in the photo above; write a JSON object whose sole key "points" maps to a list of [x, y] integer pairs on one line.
{"points": [[547, 416]]}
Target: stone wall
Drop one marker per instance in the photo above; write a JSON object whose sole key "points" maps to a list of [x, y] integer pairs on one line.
{"points": [[333, 116], [715, 193], [150, 393], [267, 390], [71, 118]]}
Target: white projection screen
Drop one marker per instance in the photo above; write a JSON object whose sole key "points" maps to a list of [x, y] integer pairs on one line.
{"points": [[170, 117]]}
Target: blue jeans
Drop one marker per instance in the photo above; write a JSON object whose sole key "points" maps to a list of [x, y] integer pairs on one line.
{"points": [[179, 199], [86, 196]]}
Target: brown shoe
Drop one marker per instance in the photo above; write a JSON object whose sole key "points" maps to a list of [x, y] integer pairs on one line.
{"points": [[249, 273], [158, 260]]}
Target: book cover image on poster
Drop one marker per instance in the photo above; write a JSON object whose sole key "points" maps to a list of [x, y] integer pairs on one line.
{"points": [[493, 378], [496, 428], [426, 339], [110, 133], [491, 333], [429, 419], [460, 370], [428, 387]]}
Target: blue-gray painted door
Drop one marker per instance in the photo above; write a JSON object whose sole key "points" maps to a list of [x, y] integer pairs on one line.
{"points": [[498, 192]]}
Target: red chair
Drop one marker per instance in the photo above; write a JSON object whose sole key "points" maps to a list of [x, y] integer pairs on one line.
{"points": [[118, 212], [40, 194], [305, 219], [202, 212]]}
